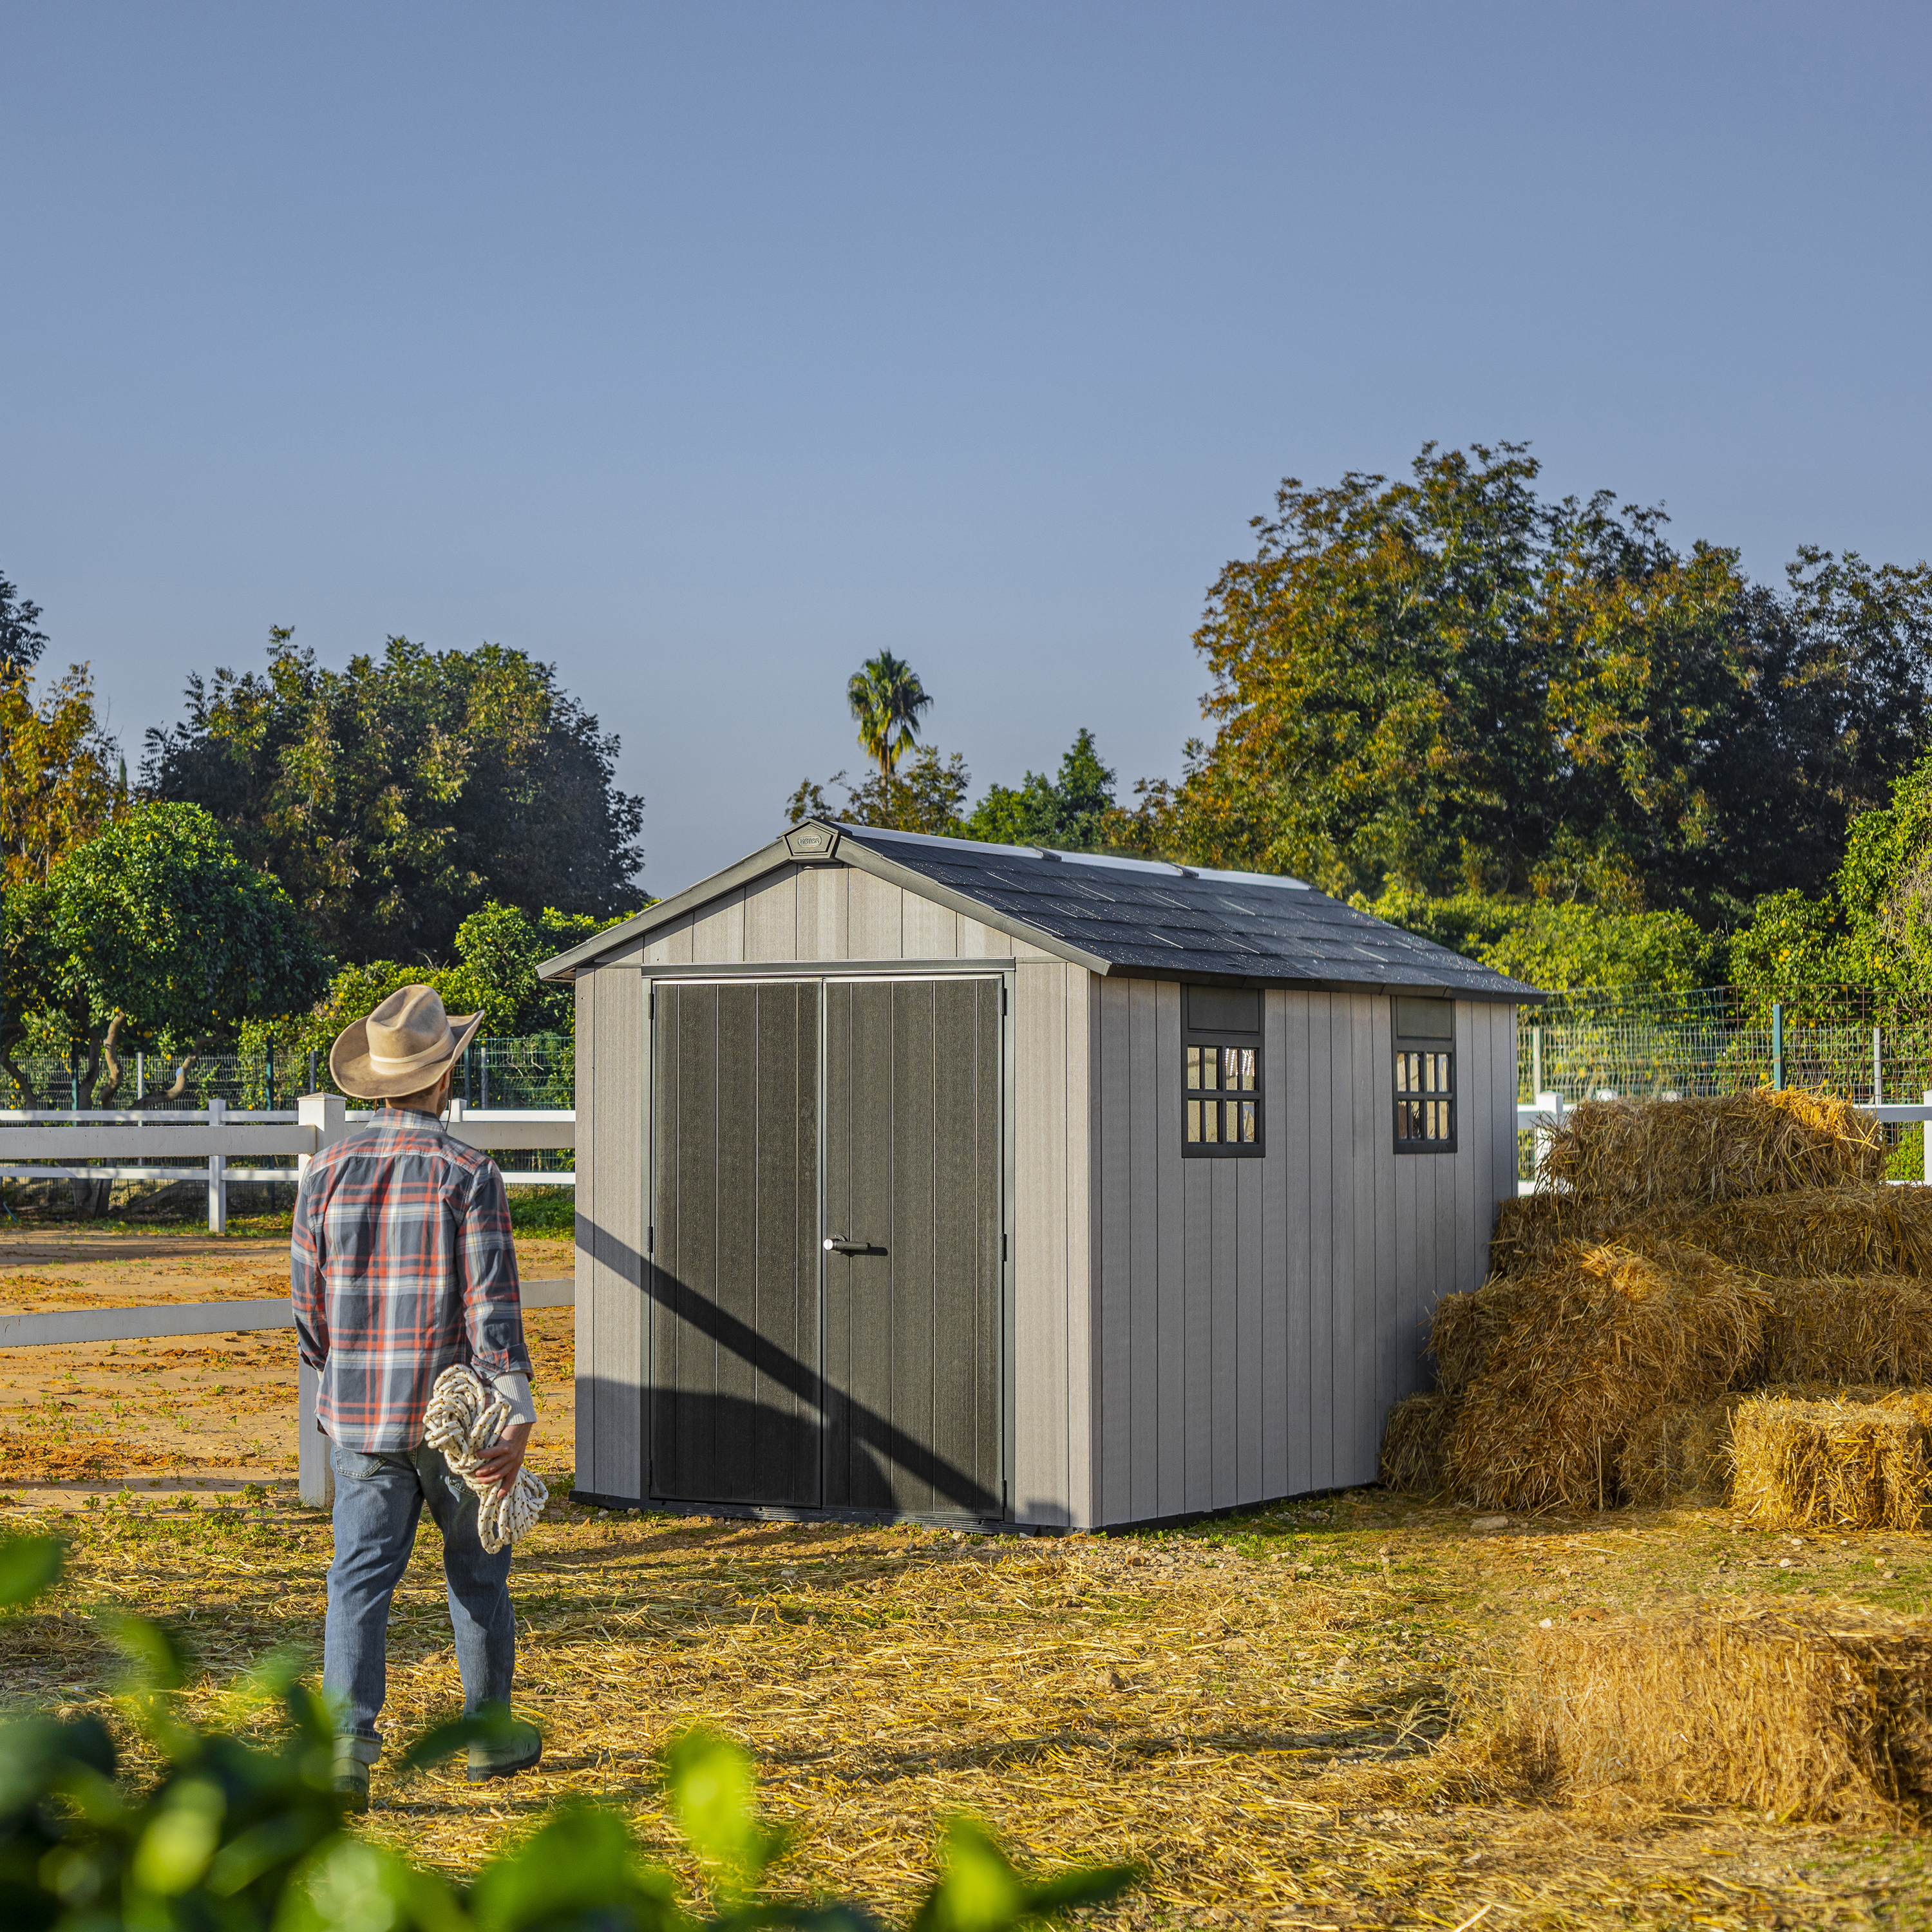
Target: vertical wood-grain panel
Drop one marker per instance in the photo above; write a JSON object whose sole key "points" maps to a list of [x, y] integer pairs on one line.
{"points": [[1197, 1328], [1365, 1436], [1323, 1244], [1171, 1233], [1390, 1366], [1039, 1476], [1251, 1178], [927, 931], [717, 931], [1295, 1213], [1115, 1207], [617, 1048], [1143, 1131], [671, 946], [873, 909], [585, 1381], [982, 942], [771, 917], [1083, 1385], [1224, 1401], [822, 933]]}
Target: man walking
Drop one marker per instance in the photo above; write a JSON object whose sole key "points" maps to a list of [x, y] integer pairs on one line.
{"points": [[402, 1264]]}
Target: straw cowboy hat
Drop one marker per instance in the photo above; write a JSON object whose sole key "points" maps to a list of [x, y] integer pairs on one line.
{"points": [[402, 1047]]}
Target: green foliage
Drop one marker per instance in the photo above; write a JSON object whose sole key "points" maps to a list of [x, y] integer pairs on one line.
{"points": [[1873, 927], [1556, 944], [886, 698], [925, 796], [235, 1837], [1068, 813], [395, 797], [153, 928], [21, 640], [1449, 684], [500, 949]]}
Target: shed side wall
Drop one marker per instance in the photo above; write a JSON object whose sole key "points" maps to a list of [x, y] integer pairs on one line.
{"points": [[1255, 1319], [610, 1207]]}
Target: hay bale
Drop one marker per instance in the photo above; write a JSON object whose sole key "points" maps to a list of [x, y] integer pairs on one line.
{"points": [[1583, 1349], [1807, 1714], [1639, 1153], [1679, 1449], [1866, 1229], [1530, 1228], [1412, 1443], [1850, 1328], [1832, 1463], [1462, 1332]]}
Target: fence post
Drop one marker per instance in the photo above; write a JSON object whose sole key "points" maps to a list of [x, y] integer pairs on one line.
{"points": [[1926, 1130], [1778, 1045], [327, 1114], [140, 1078], [1551, 1104], [315, 1474], [218, 1169], [1878, 1066]]}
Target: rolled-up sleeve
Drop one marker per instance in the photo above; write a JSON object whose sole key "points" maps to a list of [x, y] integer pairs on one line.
{"points": [[305, 1275], [492, 1307]]}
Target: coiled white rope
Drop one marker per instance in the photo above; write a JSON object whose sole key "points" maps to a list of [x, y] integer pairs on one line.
{"points": [[464, 1420]]}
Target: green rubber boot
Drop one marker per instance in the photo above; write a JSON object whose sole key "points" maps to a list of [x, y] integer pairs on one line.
{"points": [[350, 1776], [517, 1746]]}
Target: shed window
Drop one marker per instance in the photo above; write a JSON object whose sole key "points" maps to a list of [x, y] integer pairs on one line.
{"points": [[1221, 1053], [1425, 1076]]}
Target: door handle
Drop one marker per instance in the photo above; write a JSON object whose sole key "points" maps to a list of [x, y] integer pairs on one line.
{"points": [[837, 1244]]}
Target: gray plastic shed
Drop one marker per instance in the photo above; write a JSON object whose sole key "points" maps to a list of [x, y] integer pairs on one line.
{"points": [[922, 1177]]}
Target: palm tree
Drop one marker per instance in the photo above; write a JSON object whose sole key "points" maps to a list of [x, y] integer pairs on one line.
{"points": [[886, 698]]}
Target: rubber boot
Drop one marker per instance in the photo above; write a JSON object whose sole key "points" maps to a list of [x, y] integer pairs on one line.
{"points": [[517, 1747]]}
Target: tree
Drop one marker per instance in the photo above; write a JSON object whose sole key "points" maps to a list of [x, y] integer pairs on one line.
{"points": [[927, 797], [396, 796], [1448, 684], [21, 640], [58, 781], [886, 699], [154, 926], [1872, 927], [1069, 814]]}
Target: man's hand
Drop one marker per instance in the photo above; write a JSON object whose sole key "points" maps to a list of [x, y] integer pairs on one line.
{"points": [[500, 1465]]}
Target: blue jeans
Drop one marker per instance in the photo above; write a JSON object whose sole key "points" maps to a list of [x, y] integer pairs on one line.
{"points": [[378, 1501]]}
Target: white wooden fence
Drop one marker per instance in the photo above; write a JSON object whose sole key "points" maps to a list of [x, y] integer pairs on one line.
{"points": [[50, 1144], [1548, 1109]]}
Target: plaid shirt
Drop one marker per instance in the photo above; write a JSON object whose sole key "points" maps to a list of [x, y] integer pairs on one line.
{"points": [[401, 1264]]}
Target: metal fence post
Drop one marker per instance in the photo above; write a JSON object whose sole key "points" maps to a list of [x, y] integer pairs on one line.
{"points": [[1878, 1066], [1778, 1045], [217, 1168], [1926, 1130]]}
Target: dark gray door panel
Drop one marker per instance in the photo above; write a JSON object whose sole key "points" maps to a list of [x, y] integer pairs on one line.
{"points": [[734, 1274]]}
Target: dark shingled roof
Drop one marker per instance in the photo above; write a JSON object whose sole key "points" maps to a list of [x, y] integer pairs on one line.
{"points": [[1133, 917], [1149, 920]]}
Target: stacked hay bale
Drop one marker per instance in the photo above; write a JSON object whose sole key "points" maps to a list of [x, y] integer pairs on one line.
{"points": [[1705, 1291]]}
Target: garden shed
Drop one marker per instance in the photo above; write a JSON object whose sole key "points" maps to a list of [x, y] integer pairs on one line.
{"points": [[918, 1177]]}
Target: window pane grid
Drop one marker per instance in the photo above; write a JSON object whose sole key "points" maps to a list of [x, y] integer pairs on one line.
{"points": [[1221, 1110], [1425, 1088]]}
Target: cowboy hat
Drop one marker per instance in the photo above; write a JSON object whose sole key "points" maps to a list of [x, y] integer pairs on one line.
{"points": [[401, 1048]]}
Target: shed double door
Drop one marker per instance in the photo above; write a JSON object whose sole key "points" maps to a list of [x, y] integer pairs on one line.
{"points": [[826, 1250]]}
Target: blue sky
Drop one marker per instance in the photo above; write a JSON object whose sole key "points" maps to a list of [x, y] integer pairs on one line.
{"points": [[707, 349]]}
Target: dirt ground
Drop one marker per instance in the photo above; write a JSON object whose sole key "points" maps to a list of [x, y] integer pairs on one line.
{"points": [[203, 1412], [1281, 1714]]}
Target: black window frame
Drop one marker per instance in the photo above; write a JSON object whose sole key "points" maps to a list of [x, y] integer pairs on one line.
{"points": [[1220, 1038], [1408, 1041]]}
